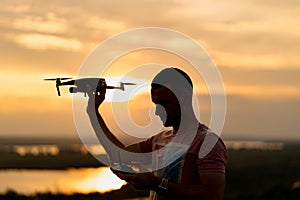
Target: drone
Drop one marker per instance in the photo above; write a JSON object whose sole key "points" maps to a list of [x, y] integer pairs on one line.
{"points": [[79, 85]]}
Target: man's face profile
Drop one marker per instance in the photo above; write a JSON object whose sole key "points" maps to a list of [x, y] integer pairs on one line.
{"points": [[167, 106]]}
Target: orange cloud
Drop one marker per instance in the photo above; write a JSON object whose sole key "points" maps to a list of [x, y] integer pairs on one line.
{"points": [[43, 42], [49, 24]]}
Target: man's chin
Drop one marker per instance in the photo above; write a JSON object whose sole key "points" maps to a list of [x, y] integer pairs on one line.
{"points": [[170, 123], [167, 124]]}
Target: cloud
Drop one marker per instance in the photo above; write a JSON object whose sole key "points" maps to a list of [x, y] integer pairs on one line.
{"points": [[107, 25], [14, 7], [43, 42], [242, 34], [47, 24]]}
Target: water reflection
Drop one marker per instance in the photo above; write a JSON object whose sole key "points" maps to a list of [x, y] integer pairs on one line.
{"points": [[68, 181]]}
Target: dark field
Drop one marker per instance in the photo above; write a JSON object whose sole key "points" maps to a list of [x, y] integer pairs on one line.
{"points": [[251, 174], [254, 174]]}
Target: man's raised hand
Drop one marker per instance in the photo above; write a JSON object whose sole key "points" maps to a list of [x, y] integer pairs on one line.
{"points": [[95, 98]]}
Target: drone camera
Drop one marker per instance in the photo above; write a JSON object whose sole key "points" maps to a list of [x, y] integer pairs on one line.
{"points": [[73, 90]]}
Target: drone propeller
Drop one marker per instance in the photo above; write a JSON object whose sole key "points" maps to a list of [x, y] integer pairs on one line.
{"points": [[123, 84], [55, 79], [128, 83]]}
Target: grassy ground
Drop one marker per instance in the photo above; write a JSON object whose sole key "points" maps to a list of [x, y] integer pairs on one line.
{"points": [[254, 174], [251, 174]]}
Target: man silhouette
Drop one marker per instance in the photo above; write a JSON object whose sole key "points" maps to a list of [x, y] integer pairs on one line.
{"points": [[191, 157]]}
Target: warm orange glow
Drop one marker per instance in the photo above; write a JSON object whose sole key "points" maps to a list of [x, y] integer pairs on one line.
{"points": [[254, 61], [259, 92], [103, 180], [111, 26], [38, 43], [70, 181]]}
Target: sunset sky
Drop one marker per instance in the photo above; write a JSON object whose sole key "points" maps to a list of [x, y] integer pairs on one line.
{"points": [[255, 45]]}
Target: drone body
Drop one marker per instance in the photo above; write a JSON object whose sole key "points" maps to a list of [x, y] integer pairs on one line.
{"points": [[79, 85]]}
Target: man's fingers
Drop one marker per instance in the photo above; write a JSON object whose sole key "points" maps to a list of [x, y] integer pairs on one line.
{"points": [[90, 91], [127, 177]]}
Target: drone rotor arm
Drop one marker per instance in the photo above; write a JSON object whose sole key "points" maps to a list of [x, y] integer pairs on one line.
{"points": [[58, 91]]}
